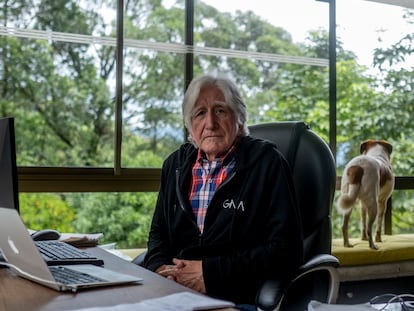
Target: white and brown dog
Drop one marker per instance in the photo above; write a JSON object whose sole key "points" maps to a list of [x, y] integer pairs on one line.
{"points": [[369, 178]]}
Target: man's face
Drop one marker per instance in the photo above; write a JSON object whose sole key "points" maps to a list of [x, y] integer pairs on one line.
{"points": [[213, 124]]}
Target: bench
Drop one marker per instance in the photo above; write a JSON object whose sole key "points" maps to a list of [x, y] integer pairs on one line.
{"points": [[394, 258]]}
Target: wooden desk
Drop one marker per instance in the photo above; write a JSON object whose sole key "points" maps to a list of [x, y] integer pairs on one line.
{"points": [[18, 294]]}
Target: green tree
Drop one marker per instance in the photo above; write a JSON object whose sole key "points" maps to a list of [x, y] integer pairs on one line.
{"points": [[123, 218], [66, 100], [397, 82], [63, 97], [51, 209]]}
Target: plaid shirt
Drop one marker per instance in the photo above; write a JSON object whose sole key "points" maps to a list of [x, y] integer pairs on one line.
{"points": [[206, 178]]}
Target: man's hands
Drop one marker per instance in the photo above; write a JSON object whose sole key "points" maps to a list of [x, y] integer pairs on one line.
{"points": [[186, 272]]}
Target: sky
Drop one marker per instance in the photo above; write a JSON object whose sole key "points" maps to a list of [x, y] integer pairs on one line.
{"points": [[358, 21]]}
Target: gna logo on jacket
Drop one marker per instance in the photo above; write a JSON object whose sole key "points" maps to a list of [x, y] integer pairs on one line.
{"points": [[233, 205]]}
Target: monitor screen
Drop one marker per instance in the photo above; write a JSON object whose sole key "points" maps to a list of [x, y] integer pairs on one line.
{"points": [[9, 194]]}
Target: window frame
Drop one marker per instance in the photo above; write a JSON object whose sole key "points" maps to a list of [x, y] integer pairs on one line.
{"points": [[118, 179]]}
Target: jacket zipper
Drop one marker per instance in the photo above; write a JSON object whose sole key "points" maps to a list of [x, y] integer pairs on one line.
{"points": [[180, 197], [181, 200]]}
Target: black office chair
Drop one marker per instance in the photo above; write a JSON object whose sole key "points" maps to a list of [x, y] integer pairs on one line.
{"points": [[314, 176]]}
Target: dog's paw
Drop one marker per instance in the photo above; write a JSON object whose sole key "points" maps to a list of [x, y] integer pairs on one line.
{"points": [[378, 239], [373, 246], [348, 245]]}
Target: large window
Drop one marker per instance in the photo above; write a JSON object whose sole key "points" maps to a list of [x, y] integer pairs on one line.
{"points": [[375, 84], [96, 88], [281, 77]]}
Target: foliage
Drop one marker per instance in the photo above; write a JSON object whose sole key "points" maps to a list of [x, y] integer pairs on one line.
{"points": [[124, 218], [62, 95], [51, 209]]}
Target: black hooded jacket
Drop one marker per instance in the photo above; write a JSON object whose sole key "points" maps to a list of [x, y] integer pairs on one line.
{"points": [[252, 228]]}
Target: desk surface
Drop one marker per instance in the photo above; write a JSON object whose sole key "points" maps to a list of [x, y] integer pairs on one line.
{"points": [[18, 294]]}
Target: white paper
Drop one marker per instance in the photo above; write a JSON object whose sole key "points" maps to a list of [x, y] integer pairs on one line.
{"points": [[184, 301]]}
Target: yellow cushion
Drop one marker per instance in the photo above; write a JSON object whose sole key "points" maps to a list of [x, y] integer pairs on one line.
{"points": [[132, 252], [393, 248], [398, 247]]}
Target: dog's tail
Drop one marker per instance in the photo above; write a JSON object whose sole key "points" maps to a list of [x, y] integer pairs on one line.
{"points": [[347, 199]]}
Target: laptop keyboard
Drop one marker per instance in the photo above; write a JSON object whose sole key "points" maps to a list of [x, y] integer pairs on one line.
{"points": [[66, 275], [60, 253]]}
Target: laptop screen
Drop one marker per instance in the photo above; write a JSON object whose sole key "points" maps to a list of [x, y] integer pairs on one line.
{"points": [[9, 194]]}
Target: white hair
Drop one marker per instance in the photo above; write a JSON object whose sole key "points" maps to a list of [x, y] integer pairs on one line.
{"points": [[231, 95]]}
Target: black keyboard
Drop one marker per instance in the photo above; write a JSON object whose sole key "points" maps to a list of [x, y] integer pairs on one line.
{"points": [[60, 253], [68, 276]]}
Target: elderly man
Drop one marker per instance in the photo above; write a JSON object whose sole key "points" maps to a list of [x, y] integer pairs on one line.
{"points": [[225, 219]]}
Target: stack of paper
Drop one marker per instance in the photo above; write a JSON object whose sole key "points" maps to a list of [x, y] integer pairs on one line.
{"points": [[81, 239]]}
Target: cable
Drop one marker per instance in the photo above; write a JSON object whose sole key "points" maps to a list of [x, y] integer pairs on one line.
{"points": [[406, 305]]}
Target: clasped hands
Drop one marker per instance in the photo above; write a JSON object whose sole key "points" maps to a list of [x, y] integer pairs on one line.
{"points": [[186, 272]]}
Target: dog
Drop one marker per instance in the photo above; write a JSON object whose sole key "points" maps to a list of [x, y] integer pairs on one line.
{"points": [[369, 178]]}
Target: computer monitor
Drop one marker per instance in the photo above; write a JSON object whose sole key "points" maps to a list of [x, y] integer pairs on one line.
{"points": [[9, 193]]}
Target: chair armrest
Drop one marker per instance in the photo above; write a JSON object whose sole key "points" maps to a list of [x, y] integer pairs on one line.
{"points": [[272, 293], [322, 260], [139, 260]]}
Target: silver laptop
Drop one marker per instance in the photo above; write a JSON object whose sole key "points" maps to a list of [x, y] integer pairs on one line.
{"points": [[23, 257]]}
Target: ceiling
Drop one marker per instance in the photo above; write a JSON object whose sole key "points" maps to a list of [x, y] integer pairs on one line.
{"points": [[404, 3]]}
